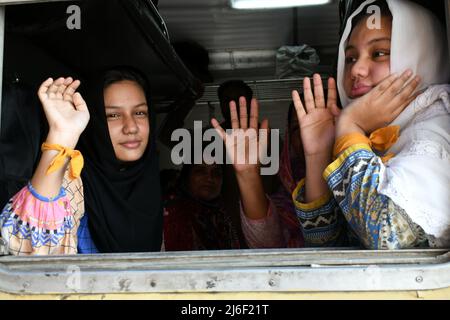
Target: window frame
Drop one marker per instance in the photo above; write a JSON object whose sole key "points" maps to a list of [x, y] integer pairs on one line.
{"points": [[269, 270], [250, 271]]}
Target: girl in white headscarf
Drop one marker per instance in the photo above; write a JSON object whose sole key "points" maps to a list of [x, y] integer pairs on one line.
{"points": [[391, 174]]}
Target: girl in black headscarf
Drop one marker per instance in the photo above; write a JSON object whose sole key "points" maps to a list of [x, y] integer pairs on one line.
{"points": [[115, 204]]}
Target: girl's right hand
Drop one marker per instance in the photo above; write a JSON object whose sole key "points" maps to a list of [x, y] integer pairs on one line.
{"points": [[316, 116], [316, 119], [239, 150], [66, 111]]}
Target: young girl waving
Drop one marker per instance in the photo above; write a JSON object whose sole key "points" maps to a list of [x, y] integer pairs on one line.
{"points": [[391, 176]]}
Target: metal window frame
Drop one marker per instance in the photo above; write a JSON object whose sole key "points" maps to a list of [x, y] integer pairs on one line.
{"points": [[272, 271]]}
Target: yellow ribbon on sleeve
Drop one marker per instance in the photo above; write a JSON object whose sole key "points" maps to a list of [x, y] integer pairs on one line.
{"points": [[381, 140], [76, 159]]}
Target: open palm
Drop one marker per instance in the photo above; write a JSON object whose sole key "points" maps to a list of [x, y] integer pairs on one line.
{"points": [[317, 117], [65, 109], [246, 144]]}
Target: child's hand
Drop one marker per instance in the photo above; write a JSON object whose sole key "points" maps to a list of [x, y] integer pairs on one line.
{"points": [[244, 159], [382, 105], [66, 111], [316, 117]]}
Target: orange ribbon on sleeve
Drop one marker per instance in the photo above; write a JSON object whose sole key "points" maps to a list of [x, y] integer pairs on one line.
{"points": [[381, 140], [76, 159]]}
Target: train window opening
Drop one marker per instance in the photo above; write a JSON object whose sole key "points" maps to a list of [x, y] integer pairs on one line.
{"points": [[28, 58]]}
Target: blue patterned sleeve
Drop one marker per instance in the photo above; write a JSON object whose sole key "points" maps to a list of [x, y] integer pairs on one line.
{"points": [[321, 223], [377, 221]]}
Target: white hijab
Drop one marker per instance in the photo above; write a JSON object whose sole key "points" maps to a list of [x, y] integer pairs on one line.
{"points": [[418, 177]]}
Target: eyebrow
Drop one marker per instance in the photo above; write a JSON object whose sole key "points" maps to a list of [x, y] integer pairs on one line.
{"points": [[133, 107], [369, 43]]}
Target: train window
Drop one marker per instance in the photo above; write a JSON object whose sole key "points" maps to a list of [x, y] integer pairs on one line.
{"points": [[121, 32]]}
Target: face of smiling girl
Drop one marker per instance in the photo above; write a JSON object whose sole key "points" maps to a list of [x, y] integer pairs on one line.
{"points": [[128, 119], [367, 57]]}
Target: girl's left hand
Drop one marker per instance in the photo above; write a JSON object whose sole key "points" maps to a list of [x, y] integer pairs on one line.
{"points": [[379, 107]]}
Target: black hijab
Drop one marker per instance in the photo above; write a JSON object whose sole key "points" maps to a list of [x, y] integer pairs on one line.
{"points": [[122, 201]]}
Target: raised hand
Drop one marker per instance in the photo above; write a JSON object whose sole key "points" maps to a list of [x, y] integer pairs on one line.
{"points": [[67, 116], [382, 105], [243, 157], [316, 116], [66, 111]]}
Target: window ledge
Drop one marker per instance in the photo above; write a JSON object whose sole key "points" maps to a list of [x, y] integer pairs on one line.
{"points": [[287, 270]]}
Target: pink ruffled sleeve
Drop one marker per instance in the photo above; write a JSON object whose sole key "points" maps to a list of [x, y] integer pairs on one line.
{"points": [[34, 225], [263, 233]]}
